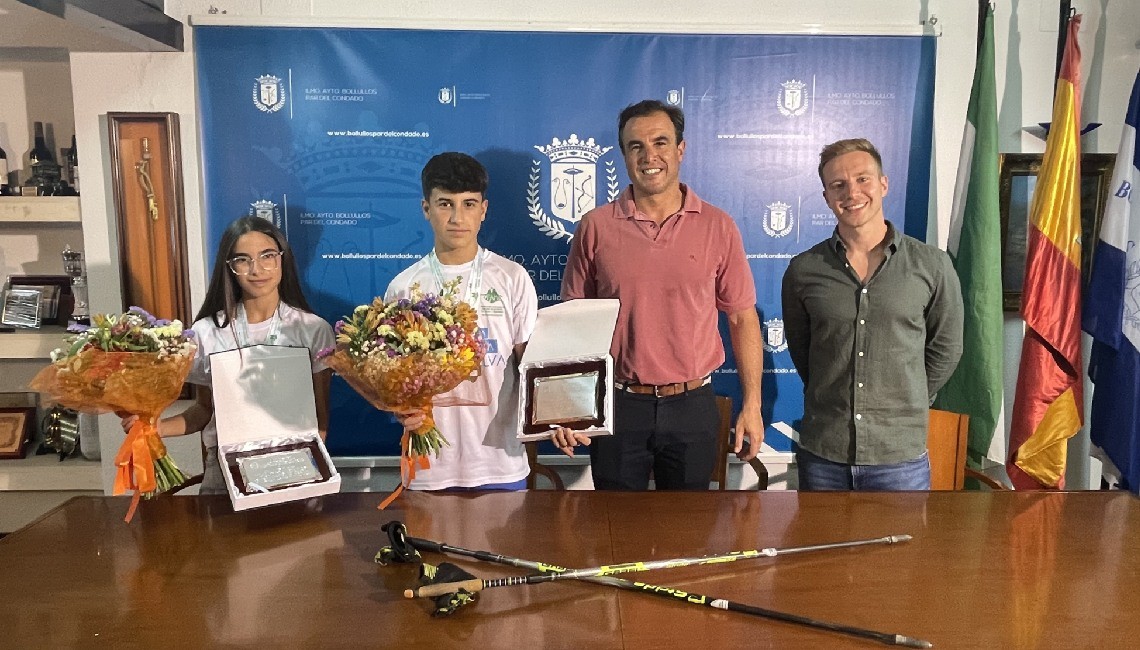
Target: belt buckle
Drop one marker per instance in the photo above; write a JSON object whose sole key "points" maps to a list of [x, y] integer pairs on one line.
{"points": [[657, 391]]}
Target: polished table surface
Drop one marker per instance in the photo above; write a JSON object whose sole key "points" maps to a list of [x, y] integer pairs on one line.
{"points": [[985, 570]]}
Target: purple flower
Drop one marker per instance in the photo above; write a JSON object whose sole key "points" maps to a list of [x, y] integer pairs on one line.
{"points": [[190, 334], [142, 312], [326, 352]]}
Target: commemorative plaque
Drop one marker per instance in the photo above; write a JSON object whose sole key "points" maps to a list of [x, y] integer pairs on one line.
{"points": [[570, 395], [566, 373], [279, 469]]}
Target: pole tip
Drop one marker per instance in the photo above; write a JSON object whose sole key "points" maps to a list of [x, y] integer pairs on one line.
{"points": [[895, 539], [911, 642]]}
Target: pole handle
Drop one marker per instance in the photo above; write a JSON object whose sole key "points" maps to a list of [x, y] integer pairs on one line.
{"points": [[441, 588]]}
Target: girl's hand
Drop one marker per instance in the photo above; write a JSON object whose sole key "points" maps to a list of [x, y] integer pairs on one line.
{"points": [[128, 420], [411, 420]]}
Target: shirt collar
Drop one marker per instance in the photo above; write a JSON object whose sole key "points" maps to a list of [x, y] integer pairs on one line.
{"points": [[893, 233], [626, 208]]}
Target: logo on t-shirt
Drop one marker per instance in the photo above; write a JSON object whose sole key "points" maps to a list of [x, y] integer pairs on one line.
{"points": [[492, 296], [492, 344]]}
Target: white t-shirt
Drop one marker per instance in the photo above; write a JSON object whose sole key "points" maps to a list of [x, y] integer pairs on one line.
{"points": [[297, 328], [484, 447]]}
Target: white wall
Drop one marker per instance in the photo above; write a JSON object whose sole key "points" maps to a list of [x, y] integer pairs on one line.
{"points": [[1025, 32]]}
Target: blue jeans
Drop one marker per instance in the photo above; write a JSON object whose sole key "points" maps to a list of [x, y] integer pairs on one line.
{"points": [[817, 473]]}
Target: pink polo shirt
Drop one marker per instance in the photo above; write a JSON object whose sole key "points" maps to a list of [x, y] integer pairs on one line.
{"points": [[671, 281]]}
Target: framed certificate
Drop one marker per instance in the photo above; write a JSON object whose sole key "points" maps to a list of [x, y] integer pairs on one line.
{"points": [[16, 425]]}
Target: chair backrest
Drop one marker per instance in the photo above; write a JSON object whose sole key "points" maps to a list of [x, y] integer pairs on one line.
{"points": [[720, 471], [725, 445], [946, 444], [538, 469]]}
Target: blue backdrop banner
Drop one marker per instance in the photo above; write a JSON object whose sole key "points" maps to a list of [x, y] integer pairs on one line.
{"points": [[324, 131]]}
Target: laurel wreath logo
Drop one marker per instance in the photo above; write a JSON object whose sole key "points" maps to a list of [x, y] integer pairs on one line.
{"points": [[548, 225], [268, 108]]}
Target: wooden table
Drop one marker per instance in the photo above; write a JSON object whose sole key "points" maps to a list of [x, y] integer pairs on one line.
{"points": [[985, 570]]}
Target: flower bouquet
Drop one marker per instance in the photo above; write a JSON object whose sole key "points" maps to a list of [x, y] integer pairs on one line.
{"points": [[129, 364], [401, 354]]}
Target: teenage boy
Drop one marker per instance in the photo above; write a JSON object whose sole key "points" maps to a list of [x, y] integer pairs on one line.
{"points": [[484, 453]]}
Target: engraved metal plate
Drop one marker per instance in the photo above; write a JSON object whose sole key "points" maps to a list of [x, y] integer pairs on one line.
{"points": [[21, 307], [279, 469], [565, 398]]}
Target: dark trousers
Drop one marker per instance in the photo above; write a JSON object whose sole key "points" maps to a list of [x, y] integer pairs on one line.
{"points": [[675, 437]]}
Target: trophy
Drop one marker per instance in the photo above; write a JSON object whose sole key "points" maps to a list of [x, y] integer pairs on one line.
{"points": [[76, 269]]}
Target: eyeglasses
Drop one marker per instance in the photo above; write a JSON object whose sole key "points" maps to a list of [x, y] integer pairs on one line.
{"points": [[243, 265]]}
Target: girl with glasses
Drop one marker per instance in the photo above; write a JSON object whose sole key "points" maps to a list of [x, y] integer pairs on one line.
{"points": [[254, 297]]}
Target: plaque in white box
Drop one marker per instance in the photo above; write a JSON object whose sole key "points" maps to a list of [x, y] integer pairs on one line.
{"points": [[567, 372], [268, 443]]}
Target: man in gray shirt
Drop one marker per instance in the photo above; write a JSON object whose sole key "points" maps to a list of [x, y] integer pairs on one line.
{"points": [[873, 320]]}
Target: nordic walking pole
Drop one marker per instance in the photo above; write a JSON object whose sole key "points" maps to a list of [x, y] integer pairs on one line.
{"points": [[401, 541], [475, 584]]}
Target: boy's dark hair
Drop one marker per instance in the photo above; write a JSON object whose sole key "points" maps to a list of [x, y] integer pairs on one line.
{"points": [[649, 107], [455, 172]]}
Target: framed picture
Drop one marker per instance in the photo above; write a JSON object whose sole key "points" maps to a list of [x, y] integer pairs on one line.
{"points": [[16, 424], [21, 307], [1018, 180], [56, 299], [146, 179]]}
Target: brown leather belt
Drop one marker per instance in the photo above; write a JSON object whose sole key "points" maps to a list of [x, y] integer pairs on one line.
{"points": [[663, 390]]}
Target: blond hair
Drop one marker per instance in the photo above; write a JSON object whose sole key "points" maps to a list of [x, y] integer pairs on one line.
{"points": [[837, 149]]}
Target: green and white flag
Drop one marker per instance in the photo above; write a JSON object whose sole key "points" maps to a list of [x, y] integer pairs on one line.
{"points": [[975, 246]]}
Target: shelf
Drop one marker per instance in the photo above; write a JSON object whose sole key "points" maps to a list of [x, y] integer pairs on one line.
{"points": [[39, 210], [31, 344], [47, 472]]}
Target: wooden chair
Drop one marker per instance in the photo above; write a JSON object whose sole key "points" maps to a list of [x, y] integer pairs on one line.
{"points": [[724, 448], [946, 443], [720, 472], [538, 469], [193, 480]]}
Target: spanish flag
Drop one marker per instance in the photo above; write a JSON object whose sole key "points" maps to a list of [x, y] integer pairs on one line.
{"points": [[1048, 408]]}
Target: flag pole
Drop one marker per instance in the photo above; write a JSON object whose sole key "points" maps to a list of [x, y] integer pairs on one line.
{"points": [[1065, 13], [983, 6]]}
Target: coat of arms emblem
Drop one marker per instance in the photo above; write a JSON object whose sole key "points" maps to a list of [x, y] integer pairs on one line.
{"points": [[267, 210], [572, 185], [774, 339], [268, 94], [792, 102], [778, 219]]}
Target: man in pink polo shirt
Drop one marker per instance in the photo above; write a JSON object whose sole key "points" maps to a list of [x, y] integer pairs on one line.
{"points": [[673, 261]]}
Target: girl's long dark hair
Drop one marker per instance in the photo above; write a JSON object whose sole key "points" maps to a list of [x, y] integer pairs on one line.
{"points": [[224, 293]]}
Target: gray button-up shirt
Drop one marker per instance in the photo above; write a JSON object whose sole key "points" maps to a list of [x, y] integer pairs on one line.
{"points": [[871, 356]]}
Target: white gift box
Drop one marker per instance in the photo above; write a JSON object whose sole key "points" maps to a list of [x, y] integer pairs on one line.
{"points": [[266, 406], [570, 335]]}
